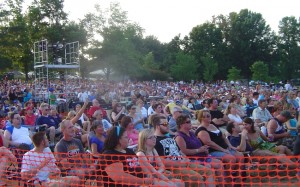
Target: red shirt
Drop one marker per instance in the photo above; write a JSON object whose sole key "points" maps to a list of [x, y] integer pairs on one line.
{"points": [[30, 120], [1, 142], [94, 108]]}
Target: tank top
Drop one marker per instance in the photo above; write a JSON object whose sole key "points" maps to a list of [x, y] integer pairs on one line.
{"points": [[215, 137], [192, 142]]}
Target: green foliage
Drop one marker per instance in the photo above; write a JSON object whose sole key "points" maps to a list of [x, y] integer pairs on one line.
{"points": [[260, 71], [210, 68], [234, 74], [149, 62], [185, 67], [288, 46]]}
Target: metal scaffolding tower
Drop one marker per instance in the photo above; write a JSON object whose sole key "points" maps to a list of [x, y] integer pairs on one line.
{"points": [[53, 61]]}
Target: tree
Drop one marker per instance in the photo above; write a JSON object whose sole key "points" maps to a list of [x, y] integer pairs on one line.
{"points": [[185, 68], [260, 71], [206, 40], [116, 50], [234, 74], [249, 39], [288, 46], [210, 68]]}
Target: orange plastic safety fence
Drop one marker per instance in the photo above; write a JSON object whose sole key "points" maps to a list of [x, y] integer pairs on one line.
{"points": [[46, 169]]}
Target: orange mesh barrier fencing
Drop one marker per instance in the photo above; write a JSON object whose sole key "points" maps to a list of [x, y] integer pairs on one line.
{"points": [[73, 169]]}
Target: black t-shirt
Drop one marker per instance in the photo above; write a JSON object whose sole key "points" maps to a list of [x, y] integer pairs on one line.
{"points": [[215, 137], [217, 114], [130, 165], [167, 146]]}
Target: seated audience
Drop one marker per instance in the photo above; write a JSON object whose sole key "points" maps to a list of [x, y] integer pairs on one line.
{"points": [[254, 141], [175, 161], [119, 164], [132, 133], [99, 116], [191, 146], [6, 157], [118, 111], [219, 145], [98, 137], [70, 152], [137, 119], [16, 135], [39, 162], [150, 161], [276, 130]]}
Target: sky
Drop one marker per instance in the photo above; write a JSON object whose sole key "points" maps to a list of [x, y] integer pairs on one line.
{"points": [[167, 18]]}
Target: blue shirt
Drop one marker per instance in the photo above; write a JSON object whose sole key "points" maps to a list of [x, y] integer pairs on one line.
{"points": [[98, 142], [46, 120]]}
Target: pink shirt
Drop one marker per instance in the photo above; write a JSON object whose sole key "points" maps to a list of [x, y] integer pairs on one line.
{"points": [[134, 135]]}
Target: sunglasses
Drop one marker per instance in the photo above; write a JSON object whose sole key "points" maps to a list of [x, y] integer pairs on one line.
{"points": [[165, 124], [151, 137], [207, 116]]}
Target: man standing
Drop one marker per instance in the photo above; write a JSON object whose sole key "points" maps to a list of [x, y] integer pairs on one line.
{"points": [[39, 162]]}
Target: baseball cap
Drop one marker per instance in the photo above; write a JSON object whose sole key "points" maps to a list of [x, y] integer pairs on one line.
{"points": [[176, 109]]}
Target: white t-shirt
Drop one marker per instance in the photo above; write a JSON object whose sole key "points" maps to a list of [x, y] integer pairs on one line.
{"points": [[21, 135], [235, 118], [32, 160]]}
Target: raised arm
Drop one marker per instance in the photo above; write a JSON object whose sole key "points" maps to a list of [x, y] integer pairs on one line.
{"points": [[80, 112]]}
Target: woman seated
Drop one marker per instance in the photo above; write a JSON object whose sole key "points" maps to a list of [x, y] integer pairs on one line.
{"points": [[137, 119], [150, 161], [128, 125], [232, 113], [261, 145], [119, 164], [191, 146], [98, 115], [98, 137], [117, 113], [6, 156], [219, 145]]}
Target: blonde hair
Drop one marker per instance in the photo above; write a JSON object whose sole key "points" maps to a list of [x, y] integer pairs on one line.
{"points": [[71, 114], [229, 107], [62, 124], [200, 114], [143, 136]]}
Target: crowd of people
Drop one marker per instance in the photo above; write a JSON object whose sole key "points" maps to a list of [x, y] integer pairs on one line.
{"points": [[145, 133]]}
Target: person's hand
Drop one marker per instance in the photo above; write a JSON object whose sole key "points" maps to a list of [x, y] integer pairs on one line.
{"points": [[244, 133], [123, 109], [287, 134], [226, 151], [130, 142], [232, 148], [204, 149], [86, 102]]}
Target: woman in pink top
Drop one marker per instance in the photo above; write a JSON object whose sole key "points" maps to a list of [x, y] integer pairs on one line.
{"points": [[133, 134]]}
